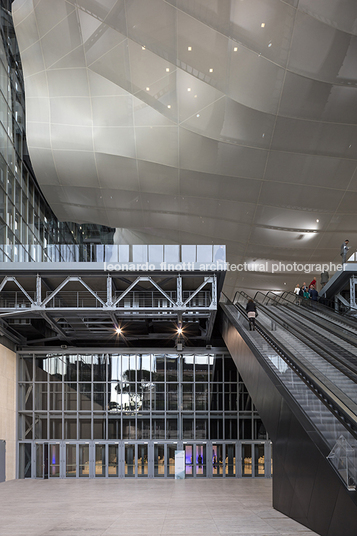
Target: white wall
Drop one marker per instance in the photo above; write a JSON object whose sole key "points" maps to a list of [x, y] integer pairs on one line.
{"points": [[8, 408]]}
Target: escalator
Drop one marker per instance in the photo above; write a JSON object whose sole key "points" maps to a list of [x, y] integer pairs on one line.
{"points": [[301, 373]]}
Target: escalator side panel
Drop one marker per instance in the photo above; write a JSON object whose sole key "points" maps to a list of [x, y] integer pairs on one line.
{"points": [[305, 486]]}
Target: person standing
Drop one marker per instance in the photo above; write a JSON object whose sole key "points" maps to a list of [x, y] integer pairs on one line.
{"points": [[344, 249], [252, 313], [324, 278]]}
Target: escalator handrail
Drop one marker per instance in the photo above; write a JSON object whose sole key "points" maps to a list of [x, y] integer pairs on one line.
{"points": [[340, 410]]}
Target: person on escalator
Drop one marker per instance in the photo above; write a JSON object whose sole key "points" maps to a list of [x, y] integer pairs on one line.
{"points": [[252, 314], [313, 293]]}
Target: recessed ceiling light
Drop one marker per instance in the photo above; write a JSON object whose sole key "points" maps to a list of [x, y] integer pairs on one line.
{"points": [[269, 45], [189, 49], [198, 115], [262, 25], [143, 48], [147, 89], [169, 105], [195, 96], [188, 89], [211, 70], [317, 221], [235, 49], [167, 70]]}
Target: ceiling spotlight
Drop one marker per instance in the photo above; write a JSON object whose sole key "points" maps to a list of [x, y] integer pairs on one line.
{"points": [[169, 105], [188, 89], [143, 48], [317, 221], [147, 89], [179, 331], [118, 330], [195, 96], [211, 70], [262, 25], [235, 49], [189, 49], [198, 115], [167, 69], [269, 45]]}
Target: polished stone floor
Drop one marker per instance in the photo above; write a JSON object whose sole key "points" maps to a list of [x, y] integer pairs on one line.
{"points": [[141, 507]]}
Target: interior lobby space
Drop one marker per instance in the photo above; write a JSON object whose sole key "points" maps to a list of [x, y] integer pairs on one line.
{"points": [[151, 508]]}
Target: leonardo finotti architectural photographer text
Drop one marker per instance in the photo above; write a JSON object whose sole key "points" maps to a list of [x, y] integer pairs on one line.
{"points": [[268, 266]]}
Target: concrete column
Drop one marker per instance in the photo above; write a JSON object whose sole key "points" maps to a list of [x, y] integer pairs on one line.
{"points": [[8, 408]]}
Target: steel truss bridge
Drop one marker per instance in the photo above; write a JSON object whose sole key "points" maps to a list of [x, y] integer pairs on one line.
{"points": [[81, 303]]}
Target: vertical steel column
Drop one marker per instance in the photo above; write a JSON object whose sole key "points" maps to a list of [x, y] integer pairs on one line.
{"points": [[38, 290], [109, 291]]}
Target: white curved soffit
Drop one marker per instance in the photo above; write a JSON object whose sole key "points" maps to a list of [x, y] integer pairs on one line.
{"points": [[197, 121]]}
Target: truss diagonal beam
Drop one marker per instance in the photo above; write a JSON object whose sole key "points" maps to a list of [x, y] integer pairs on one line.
{"points": [[14, 280]]}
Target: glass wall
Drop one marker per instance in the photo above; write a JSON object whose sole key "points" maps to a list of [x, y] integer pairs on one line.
{"points": [[143, 400]]}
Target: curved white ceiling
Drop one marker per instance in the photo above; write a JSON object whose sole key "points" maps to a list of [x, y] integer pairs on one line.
{"points": [[198, 121]]}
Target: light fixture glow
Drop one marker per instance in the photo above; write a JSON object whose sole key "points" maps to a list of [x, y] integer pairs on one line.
{"points": [[188, 89], [235, 49], [189, 49], [317, 221], [143, 48], [262, 25], [198, 115], [269, 45], [147, 89], [118, 330], [167, 69], [169, 105], [179, 331], [211, 70]]}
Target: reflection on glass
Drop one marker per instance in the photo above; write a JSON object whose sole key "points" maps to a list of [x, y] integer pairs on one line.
{"points": [[56, 428], [172, 368], [172, 429], [114, 397], [41, 396], [259, 465], [217, 460], [202, 368], [128, 368], [25, 460], [99, 428], [158, 368], [40, 468], [246, 460], [230, 460], [171, 460], [128, 396], [187, 396], [201, 397], [188, 460], [71, 463], [114, 428], [70, 397], [84, 460], [99, 460], [129, 429], [25, 396], [40, 426], [129, 460], [144, 368], [99, 368], [85, 368], [70, 428], [54, 366], [142, 460], [85, 396], [54, 460], [217, 372], [26, 370], [114, 367], [158, 397], [112, 460], [85, 429], [159, 460], [200, 460], [187, 428], [71, 368], [143, 426], [158, 428], [99, 396], [56, 396], [187, 368], [172, 396], [201, 428]]}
